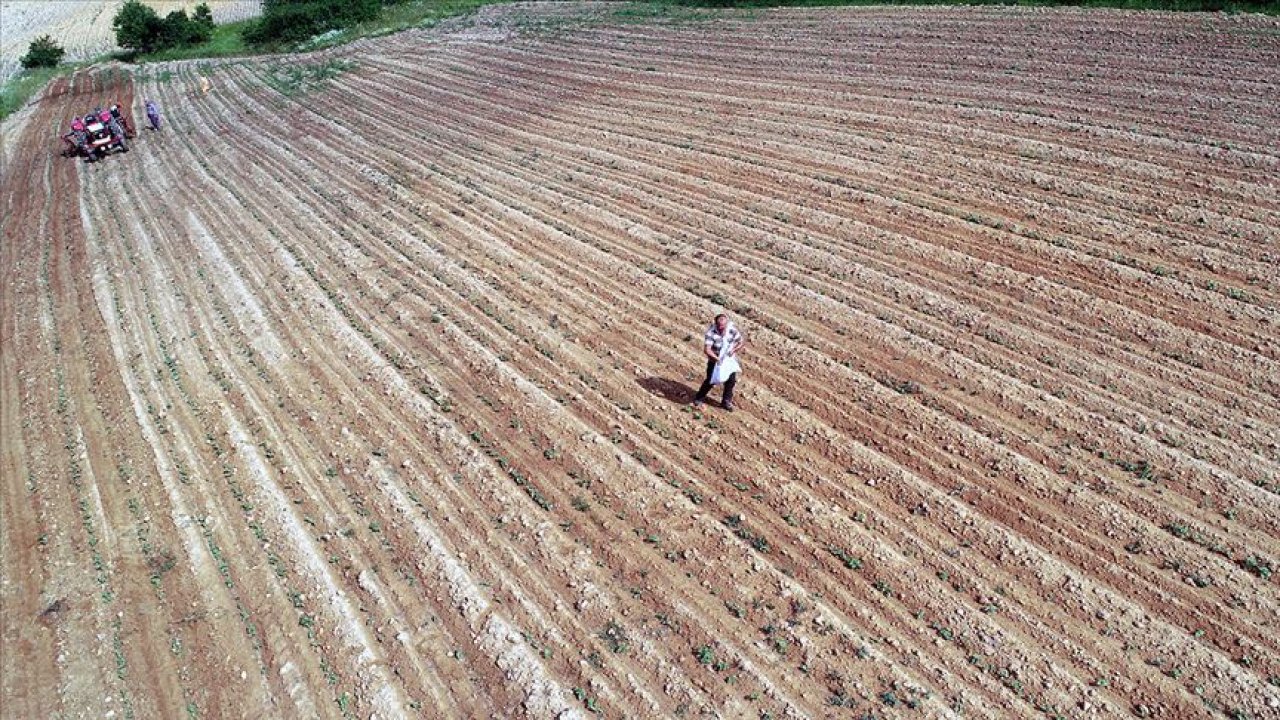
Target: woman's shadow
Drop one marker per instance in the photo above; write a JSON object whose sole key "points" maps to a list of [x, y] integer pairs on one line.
{"points": [[670, 390]]}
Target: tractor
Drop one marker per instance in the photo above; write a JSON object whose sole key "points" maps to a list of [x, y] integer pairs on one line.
{"points": [[98, 134]]}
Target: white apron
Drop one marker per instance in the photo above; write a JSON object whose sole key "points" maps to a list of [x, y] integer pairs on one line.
{"points": [[725, 367]]}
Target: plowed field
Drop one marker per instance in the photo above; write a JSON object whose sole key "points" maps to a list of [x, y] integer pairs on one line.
{"points": [[362, 388]]}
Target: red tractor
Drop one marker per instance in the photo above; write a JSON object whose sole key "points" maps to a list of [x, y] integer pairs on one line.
{"points": [[97, 134]]}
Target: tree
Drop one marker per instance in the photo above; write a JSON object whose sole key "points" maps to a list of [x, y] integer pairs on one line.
{"points": [[138, 27], [174, 30], [297, 20], [178, 30], [202, 23], [43, 52]]}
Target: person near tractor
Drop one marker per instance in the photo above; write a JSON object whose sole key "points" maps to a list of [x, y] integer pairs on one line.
{"points": [[121, 120], [153, 114], [109, 122], [721, 344], [75, 139], [78, 135]]}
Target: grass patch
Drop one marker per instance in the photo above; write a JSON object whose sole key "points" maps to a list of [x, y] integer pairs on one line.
{"points": [[18, 89], [227, 41], [394, 18]]}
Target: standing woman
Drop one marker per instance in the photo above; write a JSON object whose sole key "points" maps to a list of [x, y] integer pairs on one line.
{"points": [[721, 344], [153, 114]]}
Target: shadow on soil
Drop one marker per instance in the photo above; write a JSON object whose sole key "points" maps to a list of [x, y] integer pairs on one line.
{"points": [[669, 390]]}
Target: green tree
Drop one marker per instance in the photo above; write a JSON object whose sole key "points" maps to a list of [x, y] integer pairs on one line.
{"points": [[202, 23], [297, 20], [137, 27], [178, 30], [43, 52], [175, 30]]}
